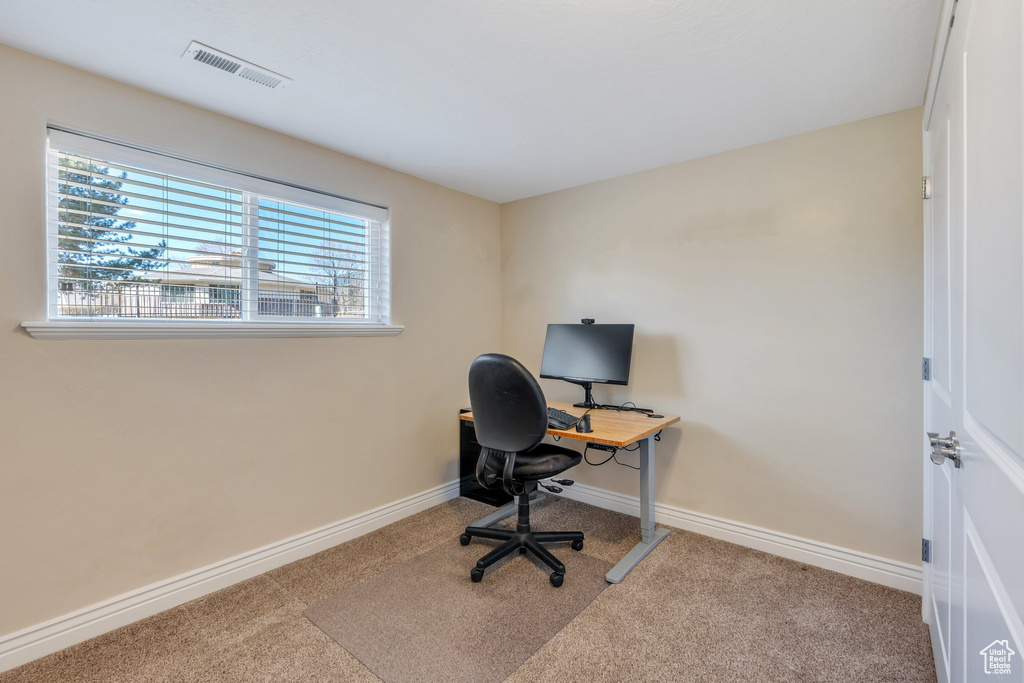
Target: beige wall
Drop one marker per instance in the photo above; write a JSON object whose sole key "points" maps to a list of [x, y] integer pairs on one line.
{"points": [[776, 292], [127, 462], [777, 296]]}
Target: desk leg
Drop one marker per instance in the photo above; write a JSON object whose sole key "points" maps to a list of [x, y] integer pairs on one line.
{"points": [[649, 535], [508, 510]]}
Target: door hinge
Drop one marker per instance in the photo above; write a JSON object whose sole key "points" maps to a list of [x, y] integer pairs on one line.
{"points": [[926, 369], [926, 187], [926, 550]]}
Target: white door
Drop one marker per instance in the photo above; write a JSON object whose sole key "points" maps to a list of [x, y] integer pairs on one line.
{"points": [[974, 336]]}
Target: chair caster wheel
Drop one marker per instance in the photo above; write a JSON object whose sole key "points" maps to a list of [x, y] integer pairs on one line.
{"points": [[557, 579], [477, 574], [464, 539], [577, 545], [522, 551]]}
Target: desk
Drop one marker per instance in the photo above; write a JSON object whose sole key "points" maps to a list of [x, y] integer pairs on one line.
{"points": [[620, 429]]}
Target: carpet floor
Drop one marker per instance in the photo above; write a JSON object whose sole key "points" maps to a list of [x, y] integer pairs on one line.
{"points": [[423, 621], [696, 609]]}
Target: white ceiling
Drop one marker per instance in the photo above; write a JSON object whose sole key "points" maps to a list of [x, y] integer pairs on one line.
{"points": [[506, 99]]}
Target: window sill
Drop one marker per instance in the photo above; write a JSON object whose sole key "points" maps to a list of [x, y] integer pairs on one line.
{"points": [[102, 329]]}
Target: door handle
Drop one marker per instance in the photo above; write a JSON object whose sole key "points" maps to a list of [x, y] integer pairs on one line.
{"points": [[947, 448]]}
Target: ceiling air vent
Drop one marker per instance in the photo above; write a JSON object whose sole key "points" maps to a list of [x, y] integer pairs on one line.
{"points": [[235, 66]]}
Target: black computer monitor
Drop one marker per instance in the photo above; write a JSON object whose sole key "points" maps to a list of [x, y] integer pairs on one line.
{"points": [[585, 354]]}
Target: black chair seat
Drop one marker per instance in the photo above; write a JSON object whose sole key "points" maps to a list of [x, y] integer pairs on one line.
{"points": [[543, 461]]}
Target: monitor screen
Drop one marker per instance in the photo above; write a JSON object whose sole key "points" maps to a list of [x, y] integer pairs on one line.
{"points": [[588, 353]]}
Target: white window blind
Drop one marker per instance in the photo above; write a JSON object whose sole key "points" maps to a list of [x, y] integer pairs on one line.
{"points": [[139, 234]]}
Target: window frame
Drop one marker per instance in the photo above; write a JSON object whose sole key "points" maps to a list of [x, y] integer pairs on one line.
{"points": [[55, 326]]}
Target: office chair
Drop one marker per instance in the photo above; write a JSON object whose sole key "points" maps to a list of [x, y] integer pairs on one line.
{"points": [[511, 418]]}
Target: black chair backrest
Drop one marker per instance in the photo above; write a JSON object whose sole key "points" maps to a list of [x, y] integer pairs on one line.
{"points": [[509, 410]]}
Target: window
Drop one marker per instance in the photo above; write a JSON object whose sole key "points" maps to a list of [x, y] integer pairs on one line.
{"points": [[177, 294], [135, 234], [225, 294]]}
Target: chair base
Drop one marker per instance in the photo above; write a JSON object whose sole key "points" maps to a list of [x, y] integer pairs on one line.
{"points": [[523, 540]]}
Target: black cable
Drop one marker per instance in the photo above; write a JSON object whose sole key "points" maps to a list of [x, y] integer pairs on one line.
{"points": [[657, 437], [586, 450], [622, 407], [623, 464]]}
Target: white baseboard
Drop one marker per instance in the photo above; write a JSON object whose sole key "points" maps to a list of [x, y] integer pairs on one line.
{"points": [[861, 565], [36, 641]]}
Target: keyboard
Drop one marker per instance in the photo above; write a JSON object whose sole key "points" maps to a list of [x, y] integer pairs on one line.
{"points": [[559, 419]]}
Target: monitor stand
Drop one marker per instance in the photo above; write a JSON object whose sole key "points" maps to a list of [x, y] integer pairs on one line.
{"points": [[588, 400]]}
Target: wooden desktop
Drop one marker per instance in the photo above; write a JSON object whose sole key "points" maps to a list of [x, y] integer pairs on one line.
{"points": [[620, 429]]}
